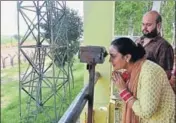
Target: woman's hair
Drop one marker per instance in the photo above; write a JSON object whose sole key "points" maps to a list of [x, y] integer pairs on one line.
{"points": [[126, 46]]}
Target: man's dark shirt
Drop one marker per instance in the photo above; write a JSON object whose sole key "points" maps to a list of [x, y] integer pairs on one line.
{"points": [[159, 51]]}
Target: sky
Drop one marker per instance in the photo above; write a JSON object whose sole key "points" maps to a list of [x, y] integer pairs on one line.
{"points": [[9, 16]]}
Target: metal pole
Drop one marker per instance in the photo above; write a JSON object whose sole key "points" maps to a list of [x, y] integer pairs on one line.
{"points": [[91, 69], [19, 63]]}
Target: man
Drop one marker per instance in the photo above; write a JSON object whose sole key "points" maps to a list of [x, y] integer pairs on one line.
{"points": [[157, 48]]}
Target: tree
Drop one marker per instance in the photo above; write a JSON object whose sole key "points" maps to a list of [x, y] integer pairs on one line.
{"points": [[15, 36], [65, 31], [128, 16], [168, 18]]}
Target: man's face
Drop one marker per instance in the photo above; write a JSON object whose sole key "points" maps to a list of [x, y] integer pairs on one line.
{"points": [[149, 26]]}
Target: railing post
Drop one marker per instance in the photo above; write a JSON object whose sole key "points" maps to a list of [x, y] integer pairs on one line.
{"points": [[75, 109], [91, 68]]}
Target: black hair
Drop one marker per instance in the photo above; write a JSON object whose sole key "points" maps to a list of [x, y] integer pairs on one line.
{"points": [[158, 19], [126, 46]]}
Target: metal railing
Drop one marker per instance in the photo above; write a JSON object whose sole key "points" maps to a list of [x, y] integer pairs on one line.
{"points": [[75, 109]]}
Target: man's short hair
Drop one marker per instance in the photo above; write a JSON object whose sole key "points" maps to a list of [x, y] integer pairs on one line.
{"points": [[158, 19]]}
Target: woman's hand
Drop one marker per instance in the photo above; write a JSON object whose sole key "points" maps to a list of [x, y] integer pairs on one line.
{"points": [[173, 81], [118, 81]]}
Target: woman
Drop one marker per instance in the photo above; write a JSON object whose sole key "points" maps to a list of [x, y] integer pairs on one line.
{"points": [[147, 95]]}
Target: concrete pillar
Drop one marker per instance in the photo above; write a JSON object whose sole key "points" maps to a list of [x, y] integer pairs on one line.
{"points": [[99, 31]]}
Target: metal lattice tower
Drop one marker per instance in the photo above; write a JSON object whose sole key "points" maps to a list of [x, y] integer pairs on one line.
{"points": [[45, 85]]}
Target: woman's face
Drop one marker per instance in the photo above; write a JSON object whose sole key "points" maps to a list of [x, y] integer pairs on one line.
{"points": [[117, 59]]}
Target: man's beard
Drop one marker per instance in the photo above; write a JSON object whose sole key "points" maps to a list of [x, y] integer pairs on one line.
{"points": [[151, 34]]}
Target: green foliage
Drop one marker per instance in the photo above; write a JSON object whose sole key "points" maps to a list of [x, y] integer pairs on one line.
{"points": [[128, 17], [65, 32], [168, 18], [8, 39]]}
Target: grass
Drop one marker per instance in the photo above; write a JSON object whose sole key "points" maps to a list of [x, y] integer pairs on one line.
{"points": [[10, 95], [8, 41]]}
